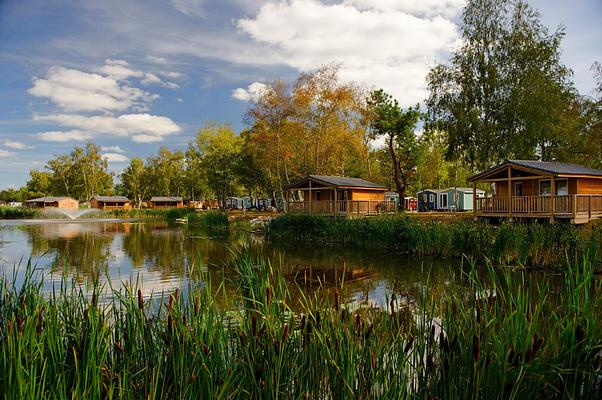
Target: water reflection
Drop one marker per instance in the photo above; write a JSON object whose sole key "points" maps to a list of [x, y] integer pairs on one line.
{"points": [[162, 256]]}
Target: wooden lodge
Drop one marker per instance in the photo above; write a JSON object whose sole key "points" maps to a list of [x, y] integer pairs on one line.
{"points": [[538, 189], [334, 195], [166, 202], [110, 203], [52, 202]]}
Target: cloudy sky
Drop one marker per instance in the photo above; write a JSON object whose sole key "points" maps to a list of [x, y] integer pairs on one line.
{"points": [[134, 75]]}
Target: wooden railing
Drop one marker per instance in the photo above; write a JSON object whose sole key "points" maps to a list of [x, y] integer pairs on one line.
{"points": [[567, 205], [349, 207]]}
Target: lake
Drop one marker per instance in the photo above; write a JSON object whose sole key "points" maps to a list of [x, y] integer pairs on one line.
{"points": [[160, 257]]}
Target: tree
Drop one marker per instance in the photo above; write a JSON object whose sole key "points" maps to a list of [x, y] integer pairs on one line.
{"points": [[38, 184], [165, 173], [396, 127], [217, 148], [132, 181], [506, 93]]}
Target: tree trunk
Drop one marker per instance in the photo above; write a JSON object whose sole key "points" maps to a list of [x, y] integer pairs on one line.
{"points": [[399, 186]]}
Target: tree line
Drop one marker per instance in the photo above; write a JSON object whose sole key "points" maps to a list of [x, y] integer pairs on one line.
{"points": [[503, 94]]}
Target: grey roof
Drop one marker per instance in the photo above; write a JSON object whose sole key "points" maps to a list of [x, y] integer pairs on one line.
{"points": [[549, 167], [114, 199], [47, 199], [432, 190], [392, 194], [163, 198], [463, 189], [341, 181]]}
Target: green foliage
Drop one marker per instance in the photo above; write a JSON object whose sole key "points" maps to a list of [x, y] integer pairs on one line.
{"points": [[506, 92], [18, 213], [535, 245], [503, 336], [396, 127], [209, 219]]}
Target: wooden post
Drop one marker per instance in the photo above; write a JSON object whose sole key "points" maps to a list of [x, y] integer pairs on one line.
{"points": [[310, 199], [589, 206], [510, 192], [474, 200], [553, 190], [336, 203]]}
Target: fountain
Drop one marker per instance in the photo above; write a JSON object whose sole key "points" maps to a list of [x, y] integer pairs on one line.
{"points": [[71, 213]]}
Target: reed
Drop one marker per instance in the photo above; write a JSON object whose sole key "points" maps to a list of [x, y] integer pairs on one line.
{"points": [[503, 337], [208, 219], [535, 245], [18, 213]]}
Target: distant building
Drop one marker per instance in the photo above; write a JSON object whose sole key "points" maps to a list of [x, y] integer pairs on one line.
{"points": [[336, 195], [110, 203], [52, 202], [428, 200], [458, 198], [166, 202]]}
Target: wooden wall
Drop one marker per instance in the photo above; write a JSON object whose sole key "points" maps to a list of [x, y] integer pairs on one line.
{"points": [[366, 194], [68, 203], [589, 186]]}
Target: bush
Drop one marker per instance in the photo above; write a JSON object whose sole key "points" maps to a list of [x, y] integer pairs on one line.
{"points": [[208, 219], [18, 213]]}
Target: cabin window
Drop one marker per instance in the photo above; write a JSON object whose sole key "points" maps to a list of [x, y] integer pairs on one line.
{"points": [[443, 200], [318, 195], [518, 188], [562, 187], [431, 198], [545, 188]]}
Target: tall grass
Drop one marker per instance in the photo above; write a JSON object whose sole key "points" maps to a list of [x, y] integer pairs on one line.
{"points": [[538, 245], [18, 213], [209, 219], [506, 338]]}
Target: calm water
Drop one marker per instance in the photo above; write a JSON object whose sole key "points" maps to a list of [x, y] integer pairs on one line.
{"points": [[161, 256]]}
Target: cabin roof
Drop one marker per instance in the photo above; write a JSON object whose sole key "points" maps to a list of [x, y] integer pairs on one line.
{"points": [[546, 167], [166, 198], [47, 199], [114, 199], [338, 181], [464, 189], [431, 190]]}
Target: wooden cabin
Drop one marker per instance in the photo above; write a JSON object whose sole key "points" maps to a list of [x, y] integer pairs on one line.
{"points": [[458, 198], [166, 202], [538, 189], [428, 200], [110, 203], [52, 202], [335, 195]]}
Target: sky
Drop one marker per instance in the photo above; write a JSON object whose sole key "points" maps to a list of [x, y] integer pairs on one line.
{"points": [[132, 76]]}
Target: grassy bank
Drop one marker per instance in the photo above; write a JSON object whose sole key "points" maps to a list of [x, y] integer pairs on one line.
{"points": [[503, 339], [508, 244], [18, 213]]}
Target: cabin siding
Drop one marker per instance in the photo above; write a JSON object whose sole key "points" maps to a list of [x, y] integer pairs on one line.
{"points": [[589, 186], [358, 194]]}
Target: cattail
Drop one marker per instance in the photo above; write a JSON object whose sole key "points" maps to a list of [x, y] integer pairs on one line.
{"points": [[408, 346], [357, 323], [177, 295], [373, 360], [285, 334], [196, 306], [343, 315], [20, 324], [368, 332], [170, 304], [476, 348], [192, 378], [443, 345], [140, 300], [277, 347], [169, 323], [206, 350], [118, 346], [269, 295], [254, 325], [184, 320], [318, 320], [24, 302], [336, 300], [94, 299]]}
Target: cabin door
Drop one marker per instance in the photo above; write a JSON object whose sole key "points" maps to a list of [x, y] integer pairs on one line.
{"points": [[343, 198]]}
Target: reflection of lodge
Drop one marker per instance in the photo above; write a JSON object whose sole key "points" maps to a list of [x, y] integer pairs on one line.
{"points": [[333, 195], [52, 202], [110, 203], [537, 189]]}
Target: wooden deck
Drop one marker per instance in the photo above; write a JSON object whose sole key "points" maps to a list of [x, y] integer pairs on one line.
{"points": [[342, 207], [579, 208]]}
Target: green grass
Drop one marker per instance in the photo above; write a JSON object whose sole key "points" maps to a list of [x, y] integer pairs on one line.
{"points": [[506, 338], [18, 213], [209, 219], [536, 245]]}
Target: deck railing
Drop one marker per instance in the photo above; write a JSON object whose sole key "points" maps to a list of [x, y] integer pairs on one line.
{"points": [[563, 206], [344, 207]]}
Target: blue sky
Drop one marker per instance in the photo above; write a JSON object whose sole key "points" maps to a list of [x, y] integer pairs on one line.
{"points": [[135, 75]]}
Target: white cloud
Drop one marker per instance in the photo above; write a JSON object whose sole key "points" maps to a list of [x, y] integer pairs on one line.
{"points": [[123, 125], [5, 153], [253, 91], [189, 7], [16, 145], [64, 136], [388, 44], [142, 138], [114, 157], [114, 149]]}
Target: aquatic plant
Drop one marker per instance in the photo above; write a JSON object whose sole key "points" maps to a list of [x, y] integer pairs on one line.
{"points": [[208, 219], [18, 213], [501, 337]]}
